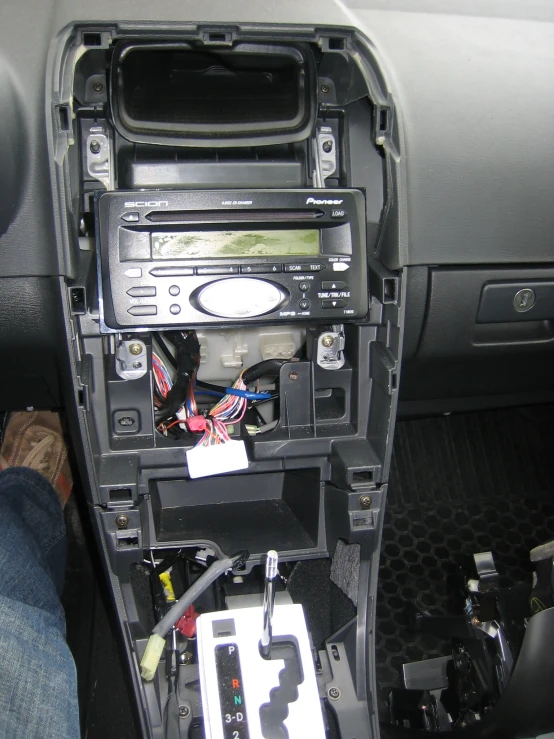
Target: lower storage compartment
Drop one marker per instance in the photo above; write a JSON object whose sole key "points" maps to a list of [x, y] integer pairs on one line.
{"points": [[277, 509]]}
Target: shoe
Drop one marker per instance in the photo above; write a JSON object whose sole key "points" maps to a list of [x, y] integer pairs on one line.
{"points": [[34, 439]]}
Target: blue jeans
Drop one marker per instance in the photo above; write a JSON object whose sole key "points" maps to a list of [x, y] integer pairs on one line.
{"points": [[38, 681]]}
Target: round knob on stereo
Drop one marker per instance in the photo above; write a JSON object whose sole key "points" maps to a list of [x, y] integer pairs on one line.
{"points": [[240, 297]]}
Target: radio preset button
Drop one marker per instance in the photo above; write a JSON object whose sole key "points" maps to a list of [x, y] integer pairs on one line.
{"points": [[332, 303], [260, 269], [142, 292], [304, 304], [172, 271], [304, 286], [175, 309], [130, 217], [230, 270], [133, 272], [334, 285], [143, 310], [174, 290], [303, 267]]}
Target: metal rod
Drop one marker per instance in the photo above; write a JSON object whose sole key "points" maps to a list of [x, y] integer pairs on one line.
{"points": [[271, 572]]}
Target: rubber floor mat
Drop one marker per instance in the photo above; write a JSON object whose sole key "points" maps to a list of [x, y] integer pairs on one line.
{"points": [[459, 485]]}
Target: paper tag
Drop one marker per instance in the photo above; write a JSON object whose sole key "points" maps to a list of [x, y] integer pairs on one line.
{"points": [[203, 461]]}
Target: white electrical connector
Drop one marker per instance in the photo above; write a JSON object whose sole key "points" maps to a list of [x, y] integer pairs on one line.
{"points": [[224, 351]]}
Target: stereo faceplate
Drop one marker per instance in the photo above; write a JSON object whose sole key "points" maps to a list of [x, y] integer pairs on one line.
{"points": [[199, 258]]}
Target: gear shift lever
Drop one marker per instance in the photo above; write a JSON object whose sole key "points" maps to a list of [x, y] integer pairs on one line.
{"points": [[269, 601]]}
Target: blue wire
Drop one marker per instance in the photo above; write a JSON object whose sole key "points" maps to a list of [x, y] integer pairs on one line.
{"points": [[234, 391], [247, 394]]}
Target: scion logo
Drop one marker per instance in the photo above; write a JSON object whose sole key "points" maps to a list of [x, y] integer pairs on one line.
{"points": [[147, 204], [315, 201]]}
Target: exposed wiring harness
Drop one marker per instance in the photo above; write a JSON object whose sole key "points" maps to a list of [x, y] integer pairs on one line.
{"points": [[229, 410], [188, 358], [175, 402], [162, 380], [156, 643]]}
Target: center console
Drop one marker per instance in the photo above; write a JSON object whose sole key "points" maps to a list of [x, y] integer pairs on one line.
{"points": [[226, 196]]}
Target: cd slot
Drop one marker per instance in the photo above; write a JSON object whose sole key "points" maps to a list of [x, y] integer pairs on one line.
{"points": [[210, 216]]}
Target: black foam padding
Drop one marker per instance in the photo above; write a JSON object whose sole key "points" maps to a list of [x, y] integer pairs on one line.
{"points": [[309, 584], [459, 485]]}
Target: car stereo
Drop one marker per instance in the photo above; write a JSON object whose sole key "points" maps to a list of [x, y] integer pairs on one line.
{"points": [[170, 258]]}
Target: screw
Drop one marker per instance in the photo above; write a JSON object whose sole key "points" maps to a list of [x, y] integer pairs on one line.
{"points": [[365, 501], [98, 87], [184, 711], [293, 376], [327, 146], [95, 146], [328, 341], [137, 365], [121, 521], [475, 621], [333, 693], [324, 89], [136, 349], [185, 658]]}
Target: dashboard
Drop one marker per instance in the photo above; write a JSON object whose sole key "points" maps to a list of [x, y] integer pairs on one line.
{"points": [[472, 90]]}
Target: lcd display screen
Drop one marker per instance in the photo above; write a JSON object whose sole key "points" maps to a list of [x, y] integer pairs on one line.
{"points": [[236, 244]]}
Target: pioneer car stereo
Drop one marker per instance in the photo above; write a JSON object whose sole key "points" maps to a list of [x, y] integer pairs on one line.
{"points": [[170, 258]]}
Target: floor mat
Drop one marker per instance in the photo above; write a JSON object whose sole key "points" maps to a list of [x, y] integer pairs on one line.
{"points": [[458, 485]]}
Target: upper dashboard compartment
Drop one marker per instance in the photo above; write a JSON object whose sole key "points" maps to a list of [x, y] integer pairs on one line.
{"points": [[177, 93]]}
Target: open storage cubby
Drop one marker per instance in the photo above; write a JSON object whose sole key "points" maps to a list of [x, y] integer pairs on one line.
{"points": [[240, 511], [165, 91]]}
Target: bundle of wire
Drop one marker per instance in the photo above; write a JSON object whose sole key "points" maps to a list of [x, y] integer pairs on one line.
{"points": [[172, 394], [161, 378], [164, 384], [230, 409]]}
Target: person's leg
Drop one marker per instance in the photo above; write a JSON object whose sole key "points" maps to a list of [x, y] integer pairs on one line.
{"points": [[38, 684]]}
